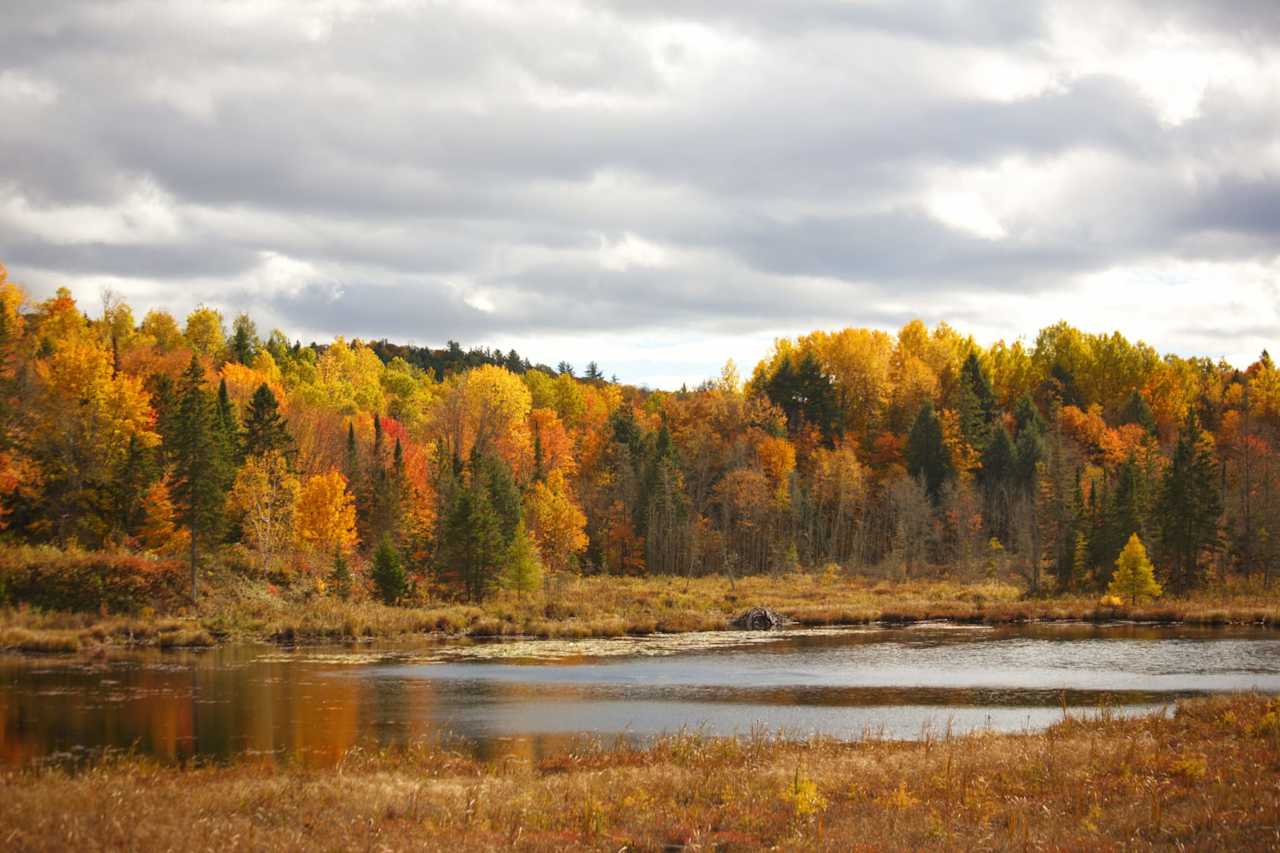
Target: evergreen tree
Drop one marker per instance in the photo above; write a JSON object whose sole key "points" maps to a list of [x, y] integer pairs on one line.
{"points": [[340, 578], [491, 474], [134, 476], [997, 480], [593, 373], [244, 340], [352, 455], [977, 403], [388, 573], [927, 456], [227, 427], [265, 431], [470, 545], [806, 396], [1137, 411], [1134, 577], [1190, 506], [201, 466]]}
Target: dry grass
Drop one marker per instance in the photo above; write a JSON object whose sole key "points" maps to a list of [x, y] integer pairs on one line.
{"points": [[1206, 777], [237, 609]]}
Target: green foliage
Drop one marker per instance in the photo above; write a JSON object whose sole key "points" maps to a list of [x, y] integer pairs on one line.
{"points": [[340, 577], [470, 546], [1189, 508], [927, 456], [244, 342], [805, 394], [389, 577], [202, 464], [1134, 577], [265, 430]]}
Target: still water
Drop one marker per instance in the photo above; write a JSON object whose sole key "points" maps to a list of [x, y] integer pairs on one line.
{"points": [[534, 698]]}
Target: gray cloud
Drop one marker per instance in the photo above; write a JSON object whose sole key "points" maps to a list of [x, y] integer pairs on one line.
{"points": [[436, 171]]}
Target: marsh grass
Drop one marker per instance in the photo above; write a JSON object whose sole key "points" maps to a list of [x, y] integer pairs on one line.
{"points": [[1203, 776], [242, 610]]}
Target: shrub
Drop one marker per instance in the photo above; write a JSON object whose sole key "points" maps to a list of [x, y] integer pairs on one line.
{"points": [[90, 580]]}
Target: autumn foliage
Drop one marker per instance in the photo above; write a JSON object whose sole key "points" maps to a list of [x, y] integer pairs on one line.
{"points": [[920, 452]]}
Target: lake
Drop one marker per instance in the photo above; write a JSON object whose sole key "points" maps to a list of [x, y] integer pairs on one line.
{"points": [[534, 698]]}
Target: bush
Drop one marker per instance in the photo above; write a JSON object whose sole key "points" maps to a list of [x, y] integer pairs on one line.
{"points": [[90, 580]]}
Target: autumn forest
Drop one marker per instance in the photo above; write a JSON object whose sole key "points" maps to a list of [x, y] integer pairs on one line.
{"points": [[366, 469]]}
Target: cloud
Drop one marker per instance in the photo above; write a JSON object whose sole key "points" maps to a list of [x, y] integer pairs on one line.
{"points": [[703, 174]]}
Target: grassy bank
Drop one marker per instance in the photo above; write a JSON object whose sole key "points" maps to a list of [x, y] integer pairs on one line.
{"points": [[1205, 777], [242, 610]]}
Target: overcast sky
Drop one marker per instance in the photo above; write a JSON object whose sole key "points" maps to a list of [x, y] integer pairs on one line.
{"points": [[654, 184]]}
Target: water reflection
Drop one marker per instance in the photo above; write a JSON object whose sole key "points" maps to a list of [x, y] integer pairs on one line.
{"points": [[313, 706]]}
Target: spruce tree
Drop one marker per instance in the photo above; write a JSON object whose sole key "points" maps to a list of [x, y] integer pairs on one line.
{"points": [[244, 340], [265, 431], [1190, 507], [201, 466], [388, 573], [977, 403], [997, 481], [341, 575], [470, 545], [927, 456]]}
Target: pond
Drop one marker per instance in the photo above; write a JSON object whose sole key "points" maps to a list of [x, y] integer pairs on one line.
{"points": [[534, 698]]}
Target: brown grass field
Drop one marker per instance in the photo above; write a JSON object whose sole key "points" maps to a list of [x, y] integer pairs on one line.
{"points": [[238, 610], [1206, 776]]}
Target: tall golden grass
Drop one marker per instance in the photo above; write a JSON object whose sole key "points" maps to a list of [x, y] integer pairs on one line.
{"points": [[1202, 777]]}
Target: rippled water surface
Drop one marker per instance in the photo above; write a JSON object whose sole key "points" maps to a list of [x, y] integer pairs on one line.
{"points": [[537, 697]]}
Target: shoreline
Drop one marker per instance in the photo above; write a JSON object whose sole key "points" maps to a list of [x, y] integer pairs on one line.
{"points": [[602, 607]]}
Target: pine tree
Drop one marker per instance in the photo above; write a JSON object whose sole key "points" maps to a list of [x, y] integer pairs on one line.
{"points": [[265, 431], [1134, 577], [200, 464], [927, 456], [388, 573], [1190, 506]]}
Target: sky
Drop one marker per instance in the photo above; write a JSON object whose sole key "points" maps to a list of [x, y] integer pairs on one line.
{"points": [[656, 185]]}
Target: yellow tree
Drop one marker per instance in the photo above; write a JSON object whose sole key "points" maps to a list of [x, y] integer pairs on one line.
{"points": [[325, 519], [78, 429], [1134, 577], [265, 495], [205, 333], [482, 407], [556, 524]]}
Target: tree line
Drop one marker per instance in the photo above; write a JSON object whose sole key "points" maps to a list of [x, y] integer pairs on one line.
{"points": [[414, 473]]}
